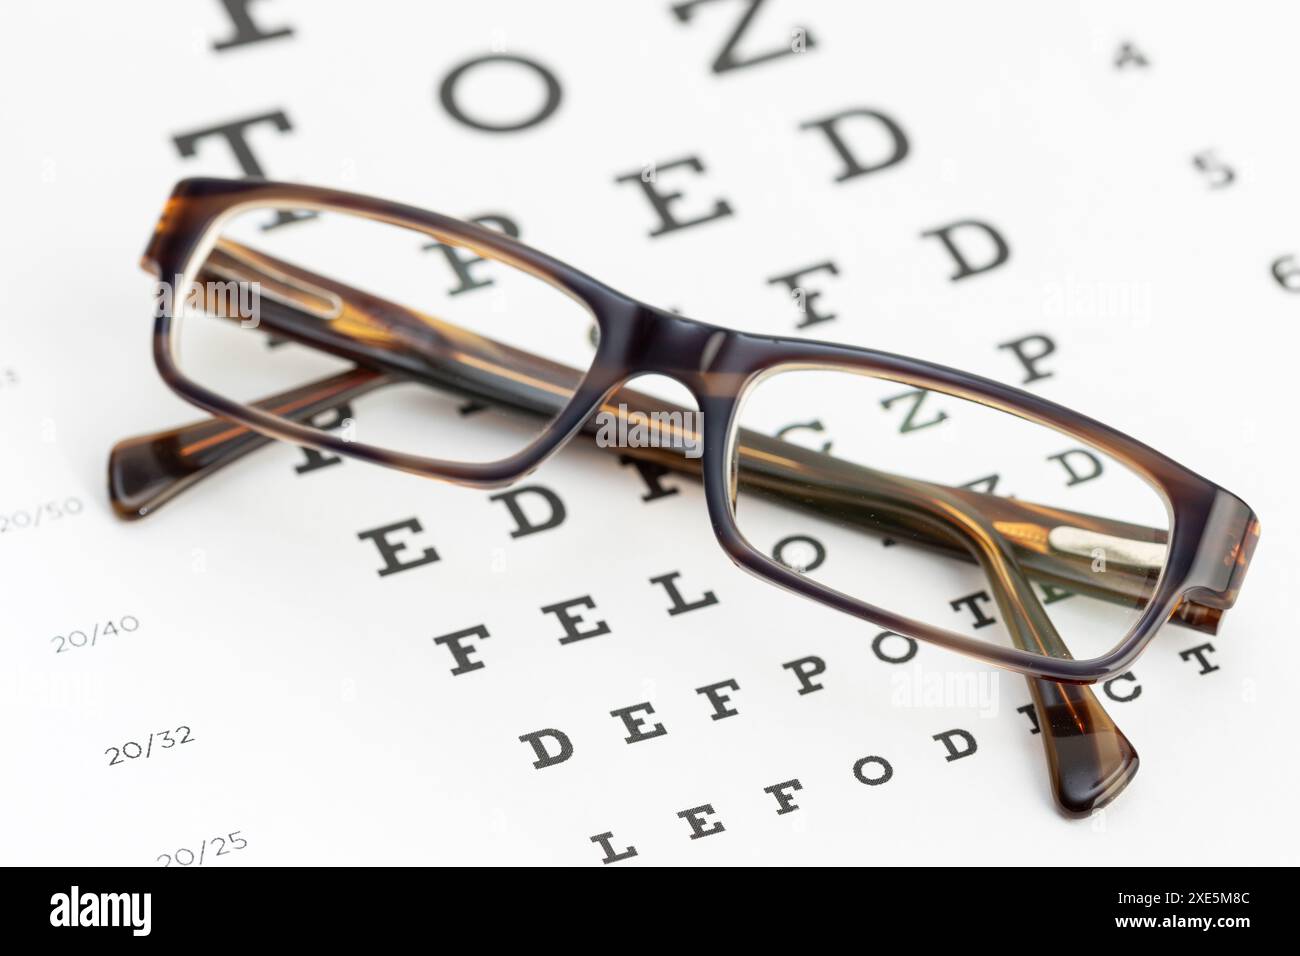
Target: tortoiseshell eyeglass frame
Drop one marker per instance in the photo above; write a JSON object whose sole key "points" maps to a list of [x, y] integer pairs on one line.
{"points": [[1211, 536]]}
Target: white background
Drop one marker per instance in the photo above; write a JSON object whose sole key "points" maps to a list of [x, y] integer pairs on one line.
{"points": [[327, 728]]}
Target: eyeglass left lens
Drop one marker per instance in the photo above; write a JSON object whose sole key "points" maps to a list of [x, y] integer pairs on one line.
{"points": [[1064, 566], [483, 355]]}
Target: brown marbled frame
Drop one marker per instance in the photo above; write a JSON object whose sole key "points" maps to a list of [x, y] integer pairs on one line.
{"points": [[1210, 540]]}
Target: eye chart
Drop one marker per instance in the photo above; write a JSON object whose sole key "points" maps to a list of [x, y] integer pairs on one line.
{"points": [[307, 660]]}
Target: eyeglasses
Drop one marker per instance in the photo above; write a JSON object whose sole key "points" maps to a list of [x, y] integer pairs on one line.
{"points": [[268, 324]]}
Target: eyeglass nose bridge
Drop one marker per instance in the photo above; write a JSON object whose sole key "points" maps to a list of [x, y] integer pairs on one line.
{"points": [[658, 342]]}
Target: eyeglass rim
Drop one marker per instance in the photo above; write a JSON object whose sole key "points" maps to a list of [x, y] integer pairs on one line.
{"points": [[1199, 510]]}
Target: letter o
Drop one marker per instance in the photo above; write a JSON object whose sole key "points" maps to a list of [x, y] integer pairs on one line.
{"points": [[819, 552], [903, 658], [887, 771], [447, 94]]}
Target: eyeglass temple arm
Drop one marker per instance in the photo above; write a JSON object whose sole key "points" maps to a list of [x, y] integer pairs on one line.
{"points": [[1089, 757]]}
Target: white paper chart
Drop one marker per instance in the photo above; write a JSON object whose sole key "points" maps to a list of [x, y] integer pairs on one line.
{"points": [[1099, 205]]}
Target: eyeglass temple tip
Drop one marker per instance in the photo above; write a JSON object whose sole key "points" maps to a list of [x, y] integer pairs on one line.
{"points": [[1089, 759], [139, 478]]}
